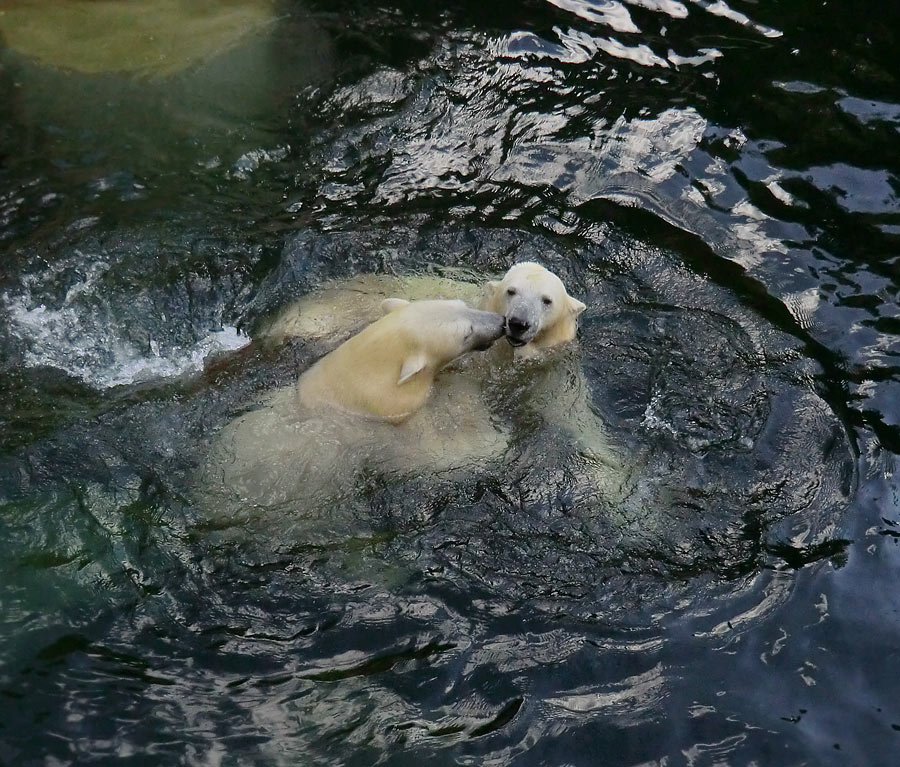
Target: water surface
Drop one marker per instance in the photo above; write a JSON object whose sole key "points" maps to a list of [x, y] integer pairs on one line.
{"points": [[718, 182]]}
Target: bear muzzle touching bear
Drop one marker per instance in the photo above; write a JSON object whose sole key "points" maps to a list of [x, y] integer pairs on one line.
{"points": [[376, 405]]}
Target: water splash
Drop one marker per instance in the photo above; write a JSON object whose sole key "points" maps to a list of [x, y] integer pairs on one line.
{"points": [[94, 350], [79, 315]]}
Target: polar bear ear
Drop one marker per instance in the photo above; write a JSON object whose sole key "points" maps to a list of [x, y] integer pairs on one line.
{"points": [[575, 306], [413, 364], [392, 304], [491, 291]]}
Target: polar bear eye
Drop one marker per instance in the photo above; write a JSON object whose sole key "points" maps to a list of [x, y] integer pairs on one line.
{"points": [[547, 300], [510, 291]]}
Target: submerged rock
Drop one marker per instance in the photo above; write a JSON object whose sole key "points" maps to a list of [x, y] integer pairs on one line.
{"points": [[94, 37]]}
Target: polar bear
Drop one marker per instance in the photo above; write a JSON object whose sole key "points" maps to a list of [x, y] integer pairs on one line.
{"points": [[387, 370], [363, 406], [533, 386], [541, 386]]}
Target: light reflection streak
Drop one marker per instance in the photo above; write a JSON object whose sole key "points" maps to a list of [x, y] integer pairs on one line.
{"points": [[722, 9], [669, 7], [607, 12], [775, 593], [631, 696]]}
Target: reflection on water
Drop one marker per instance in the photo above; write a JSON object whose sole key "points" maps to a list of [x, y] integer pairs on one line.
{"points": [[718, 182], [96, 142]]}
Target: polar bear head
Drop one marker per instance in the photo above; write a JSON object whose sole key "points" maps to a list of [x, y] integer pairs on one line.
{"points": [[539, 312], [386, 371], [436, 332]]}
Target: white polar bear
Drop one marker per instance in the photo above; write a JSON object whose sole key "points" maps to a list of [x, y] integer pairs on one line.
{"points": [[388, 369], [364, 405], [542, 388], [533, 386]]}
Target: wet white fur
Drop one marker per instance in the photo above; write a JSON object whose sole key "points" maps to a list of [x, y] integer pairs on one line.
{"points": [[370, 403]]}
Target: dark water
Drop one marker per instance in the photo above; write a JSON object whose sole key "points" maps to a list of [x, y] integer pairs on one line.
{"points": [[719, 183]]}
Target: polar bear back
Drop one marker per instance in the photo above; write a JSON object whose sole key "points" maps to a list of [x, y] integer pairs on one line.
{"points": [[344, 306]]}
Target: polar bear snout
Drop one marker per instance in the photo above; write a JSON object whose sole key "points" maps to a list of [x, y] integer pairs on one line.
{"points": [[487, 327], [518, 329], [523, 322]]}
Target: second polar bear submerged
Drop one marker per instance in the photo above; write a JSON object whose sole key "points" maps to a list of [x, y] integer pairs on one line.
{"points": [[363, 405]]}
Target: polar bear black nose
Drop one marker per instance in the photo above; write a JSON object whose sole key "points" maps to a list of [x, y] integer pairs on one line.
{"points": [[517, 326]]}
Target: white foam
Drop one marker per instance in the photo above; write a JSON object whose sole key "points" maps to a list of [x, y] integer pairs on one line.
{"points": [[92, 348]]}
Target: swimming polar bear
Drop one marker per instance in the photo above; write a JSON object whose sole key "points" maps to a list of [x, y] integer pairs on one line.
{"points": [[371, 404], [533, 387]]}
